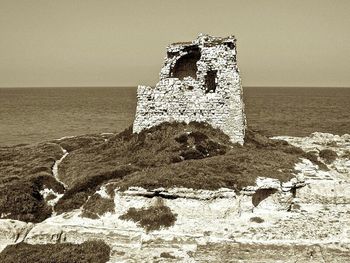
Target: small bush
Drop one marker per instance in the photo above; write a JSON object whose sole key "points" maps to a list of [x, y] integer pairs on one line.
{"points": [[90, 251], [151, 218], [22, 201], [328, 155], [256, 219]]}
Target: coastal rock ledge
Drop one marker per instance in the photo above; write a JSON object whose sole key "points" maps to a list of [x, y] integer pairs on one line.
{"points": [[304, 219]]}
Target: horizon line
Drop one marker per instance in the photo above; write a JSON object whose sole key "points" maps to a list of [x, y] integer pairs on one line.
{"points": [[249, 86]]}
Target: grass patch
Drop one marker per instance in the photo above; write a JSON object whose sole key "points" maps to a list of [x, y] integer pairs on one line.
{"points": [[151, 218], [90, 251], [328, 155]]}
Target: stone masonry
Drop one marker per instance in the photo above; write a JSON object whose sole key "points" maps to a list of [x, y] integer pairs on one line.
{"points": [[199, 82]]}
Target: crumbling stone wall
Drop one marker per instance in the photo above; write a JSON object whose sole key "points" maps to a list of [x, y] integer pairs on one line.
{"points": [[199, 82]]}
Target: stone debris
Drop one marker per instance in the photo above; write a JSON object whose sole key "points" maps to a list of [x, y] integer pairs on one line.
{"points": [[199, 82]]}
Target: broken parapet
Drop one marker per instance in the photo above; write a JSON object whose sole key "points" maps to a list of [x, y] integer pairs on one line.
{"points": [[199, 82]]}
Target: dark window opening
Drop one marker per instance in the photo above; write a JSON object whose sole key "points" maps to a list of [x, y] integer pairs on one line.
{"points": [[210, 81], [186, 66], [230, 45]]}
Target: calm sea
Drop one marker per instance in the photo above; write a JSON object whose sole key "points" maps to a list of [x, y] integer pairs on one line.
{"points": [[29, 115]]}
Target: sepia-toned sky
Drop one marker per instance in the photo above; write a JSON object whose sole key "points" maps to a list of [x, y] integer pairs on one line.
{"points": [[122, 43]]}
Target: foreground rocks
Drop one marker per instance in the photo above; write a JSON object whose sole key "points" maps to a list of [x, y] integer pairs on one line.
{"points": [[304, 219]]}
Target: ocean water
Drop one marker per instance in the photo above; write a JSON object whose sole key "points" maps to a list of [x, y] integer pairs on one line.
{"points": [[30, 115]]}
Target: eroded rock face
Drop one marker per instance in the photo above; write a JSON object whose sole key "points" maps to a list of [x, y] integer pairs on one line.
{"points": [[304, 220], [13, 231], [199, 82]]}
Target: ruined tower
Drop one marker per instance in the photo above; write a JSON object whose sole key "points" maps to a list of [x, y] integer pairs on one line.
{"points": [[199, 82]]}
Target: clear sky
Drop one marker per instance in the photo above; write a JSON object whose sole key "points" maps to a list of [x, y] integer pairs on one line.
{"points": [[122, 43]]}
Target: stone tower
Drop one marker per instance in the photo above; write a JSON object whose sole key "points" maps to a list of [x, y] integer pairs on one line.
{"points": [[199, 82]]}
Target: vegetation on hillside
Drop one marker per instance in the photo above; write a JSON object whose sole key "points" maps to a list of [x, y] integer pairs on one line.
{"points": [[24, 171], [168, 155], [175, 155]]}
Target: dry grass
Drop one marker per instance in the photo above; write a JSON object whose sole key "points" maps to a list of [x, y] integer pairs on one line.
{"points": [[90, 251]]}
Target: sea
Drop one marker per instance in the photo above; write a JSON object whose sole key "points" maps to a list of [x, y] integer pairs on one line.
{"points": [[32, 115]]}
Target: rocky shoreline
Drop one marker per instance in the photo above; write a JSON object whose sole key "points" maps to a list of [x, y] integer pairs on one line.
{"points": [[303, 219]]}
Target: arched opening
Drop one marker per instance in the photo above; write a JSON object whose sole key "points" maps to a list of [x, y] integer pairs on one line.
{"points": [[186, 66]]}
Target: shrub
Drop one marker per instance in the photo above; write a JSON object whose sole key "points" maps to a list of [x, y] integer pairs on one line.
{"points": [[151, 218], [24, 171], [22, 201], [90, 251]]}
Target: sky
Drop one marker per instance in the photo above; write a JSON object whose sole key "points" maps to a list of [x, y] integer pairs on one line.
{"points": [[57, 43]]}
